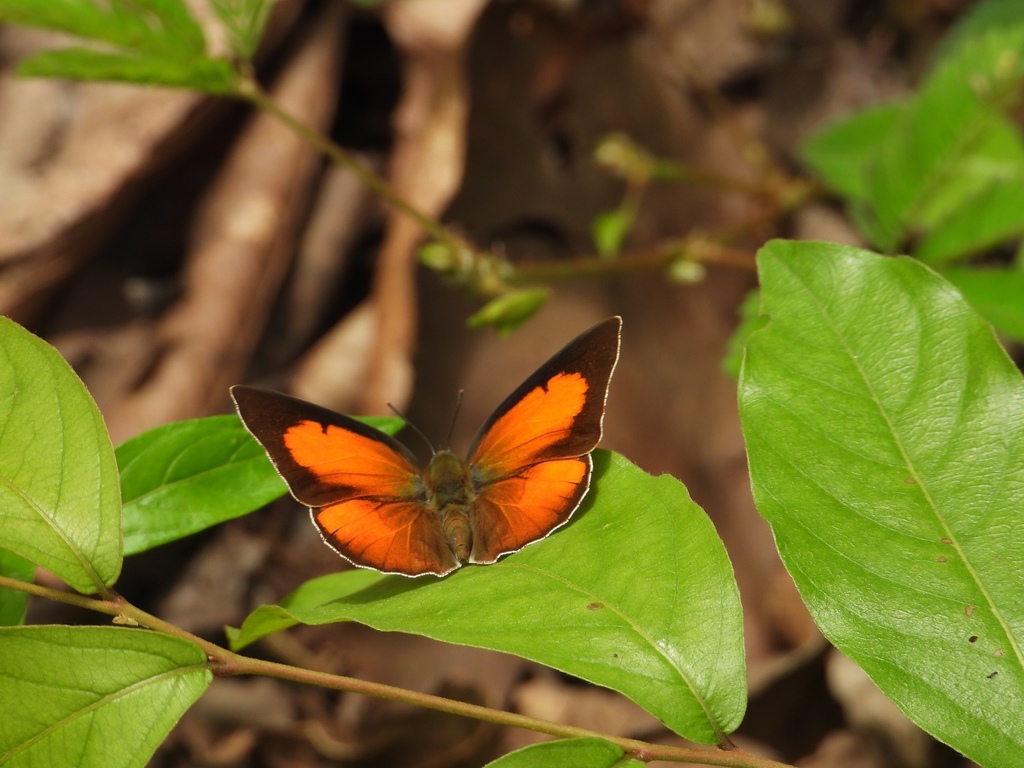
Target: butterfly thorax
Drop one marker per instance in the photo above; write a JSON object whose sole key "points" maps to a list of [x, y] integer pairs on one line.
{"points": [[450, 493]]}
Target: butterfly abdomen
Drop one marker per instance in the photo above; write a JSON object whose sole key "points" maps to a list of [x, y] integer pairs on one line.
{"points": [[451, 494]]}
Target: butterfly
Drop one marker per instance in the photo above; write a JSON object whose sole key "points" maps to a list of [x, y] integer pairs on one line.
{"points": [[528, 469]]}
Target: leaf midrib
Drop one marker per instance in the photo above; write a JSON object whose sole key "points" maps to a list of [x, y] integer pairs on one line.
{"points": [[919, 480], [646, 636]]}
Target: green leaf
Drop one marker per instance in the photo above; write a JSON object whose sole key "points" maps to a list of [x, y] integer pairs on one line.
{"points": [[569, 753], [953, 115], [996, 294], [12, 601], [885, 435], [996, 158], [153, 42], [610, 228], [993, 216], [60, 504], [510, 310], [208, 75], [907, 168], [184, 477], [158, 26], [636, 594], [983, 18], [841, 154], [93, 696], [750, 321]]}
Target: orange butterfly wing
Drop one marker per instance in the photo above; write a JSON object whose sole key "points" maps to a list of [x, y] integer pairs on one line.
{"points": [[530, 461], [362, 486]]}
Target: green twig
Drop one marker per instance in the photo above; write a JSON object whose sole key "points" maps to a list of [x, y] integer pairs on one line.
{"points": [[227, 663], [250, 91]]}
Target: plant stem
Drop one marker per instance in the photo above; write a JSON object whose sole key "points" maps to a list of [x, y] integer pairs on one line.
{"points": [[250, 91], [227, 663], [701, 252]]}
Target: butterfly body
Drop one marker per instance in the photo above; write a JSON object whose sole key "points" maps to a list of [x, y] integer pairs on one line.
{"points": [[450, 492], [527, 469]]}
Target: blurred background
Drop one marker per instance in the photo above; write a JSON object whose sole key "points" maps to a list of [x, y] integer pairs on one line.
{"points": [[172, 244]]}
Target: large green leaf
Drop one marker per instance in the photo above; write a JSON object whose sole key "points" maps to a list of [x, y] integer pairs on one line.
{"points": [[636, 594], [885, 433], [570, 753], [184, 477], [60, 505], [92, 697]]}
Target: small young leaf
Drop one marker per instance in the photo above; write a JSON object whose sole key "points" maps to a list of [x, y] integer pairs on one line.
{"points": [[184, 477], [510, 310], [885, 435], [569, 753], [909, 168], [93, 696], [983, 18], [611, 228], [635, 594], [12, 601], [60, 504]]}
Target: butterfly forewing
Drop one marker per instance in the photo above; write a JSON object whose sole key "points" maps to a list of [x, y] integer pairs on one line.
{"points": [[557, 412], [323, 456]]}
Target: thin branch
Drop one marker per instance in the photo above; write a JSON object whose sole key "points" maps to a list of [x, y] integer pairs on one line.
{"points": [[227, 663], [250, 91]]}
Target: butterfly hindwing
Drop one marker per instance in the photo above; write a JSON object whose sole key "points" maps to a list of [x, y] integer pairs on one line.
{"points": [[391, 536], [518, 510]]}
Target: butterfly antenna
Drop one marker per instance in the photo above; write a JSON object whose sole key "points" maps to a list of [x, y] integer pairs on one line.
{"points": [[451, 427], [414, 428]]}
